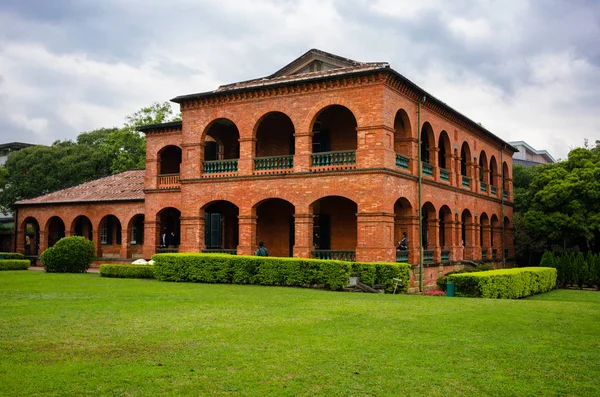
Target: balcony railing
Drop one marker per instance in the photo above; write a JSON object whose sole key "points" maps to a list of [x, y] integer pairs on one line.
{"points": [[444, 175], [168, 181], [273, 163], [466, 181], [445, 256], [493, 190], [483, 186], [428, 256], [402, 256], [427, 169], [349, 256], [401, 161], [219, 251], [494, 254], [483, 254], [220, 166], [328, 159], [504, 193]]}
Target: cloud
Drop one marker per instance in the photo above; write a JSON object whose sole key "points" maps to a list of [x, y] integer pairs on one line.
{"points": [[526, 69]]}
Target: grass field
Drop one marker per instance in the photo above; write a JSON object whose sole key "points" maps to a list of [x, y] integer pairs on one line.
{"points": [[79, 334]]}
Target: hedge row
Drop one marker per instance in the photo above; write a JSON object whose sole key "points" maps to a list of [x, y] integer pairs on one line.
{"points": [[572, 269], [11, 255], [127, 271], [505, 283], [299, 272], [443, 281], [14, 264]]}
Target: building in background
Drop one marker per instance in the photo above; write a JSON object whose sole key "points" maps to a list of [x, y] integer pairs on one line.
{"points": [[529, 156], [7, 226]]}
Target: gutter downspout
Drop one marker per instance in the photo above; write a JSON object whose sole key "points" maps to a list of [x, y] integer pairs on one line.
{"points": [[502, 201], [419, 183]]}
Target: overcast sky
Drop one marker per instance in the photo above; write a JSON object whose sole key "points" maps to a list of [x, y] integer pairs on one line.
{"points": [[527, 70]]}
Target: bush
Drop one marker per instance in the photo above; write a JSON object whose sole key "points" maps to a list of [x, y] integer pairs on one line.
{"points": [[127, 271], [14, 264], [11, 255], [505, 283], [443, 281], [299, 272], [69, 255]]}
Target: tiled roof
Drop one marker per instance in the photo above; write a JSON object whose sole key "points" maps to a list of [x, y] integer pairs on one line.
{"points": [[126, 186]]}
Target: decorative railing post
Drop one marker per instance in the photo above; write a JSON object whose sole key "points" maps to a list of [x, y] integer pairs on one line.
{"points": [[220, 166], [328, 159]]}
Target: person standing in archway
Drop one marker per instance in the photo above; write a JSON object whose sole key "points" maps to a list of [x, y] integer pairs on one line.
{"points": [[262, 250]]}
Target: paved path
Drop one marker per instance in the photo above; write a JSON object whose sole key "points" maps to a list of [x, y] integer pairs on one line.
{"points": [[90, 270]]}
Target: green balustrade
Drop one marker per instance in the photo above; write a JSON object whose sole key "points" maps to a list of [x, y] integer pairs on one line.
{"points": [[401, 161], [444, 175], [445, 256], [220, 166], [327, 159], [493, 190], [219, 251], [273, 163], [483, 187], [402, 256], [427, 169], [349, 256], [466, 181], [428, 256], [504, 193]]}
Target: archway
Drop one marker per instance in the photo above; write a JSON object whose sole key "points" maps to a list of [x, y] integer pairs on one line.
{"points": [[274, 142], [110, 237], [169, 229], [30, 232], [428, 229], [275, 226], [484, 171], [445, 151], [55, 230], [135, 230], [466, 232], [402, 138], [493, 172], [82, 226], [170, 160], [221, 142], [445, 216], [334, 130], [484, 234], [505, 179], [427, 143], [334, 228], [221, 226]]}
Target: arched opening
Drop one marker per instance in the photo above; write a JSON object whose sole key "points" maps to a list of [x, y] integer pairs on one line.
{"points": [[465, 160], [221, 227], [169, 229], [55, 230], [275, 226], [402, 138], [466, 228], [221, 147], [82, 226], [170, 160], [334, 228], [274, 138], [445, 151], [135, 229], [493, 172], [334, 130], [427, 142], [445, 216], [31, 236], [505, 179], [484, 171], [428, 215], [484, 234], [403, 225], [110, 237]]}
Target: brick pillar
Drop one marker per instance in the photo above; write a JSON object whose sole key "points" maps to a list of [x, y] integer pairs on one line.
{"points": [[192, 234], [303, 150], [457, 243], [246, 160], [303, 233], [433, 238], [247, 238], [476, 238], [433, 160], [470, 230], [43, 241], [125, 251], [475, 181], [21, 238], [449, 241], [191, 163], [372, 148], [406, 147], [69, 232], [150, 238], [450, 166], [152, 170], [375, 237], [97, 240], [457, 174], [486, 243]]}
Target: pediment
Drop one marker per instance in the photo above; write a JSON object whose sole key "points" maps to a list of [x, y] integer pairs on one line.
{"points": [[314, 61]]}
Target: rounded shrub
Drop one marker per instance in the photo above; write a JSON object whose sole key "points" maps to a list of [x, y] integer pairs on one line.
{"points": [[69, 255]]}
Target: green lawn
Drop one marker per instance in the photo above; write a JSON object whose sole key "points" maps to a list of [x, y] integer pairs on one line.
{"points": [[79, 334]]}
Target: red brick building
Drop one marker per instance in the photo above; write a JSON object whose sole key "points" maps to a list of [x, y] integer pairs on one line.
{"points": [[319, 159]]}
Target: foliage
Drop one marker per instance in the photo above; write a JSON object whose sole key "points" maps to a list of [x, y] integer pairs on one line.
{"points": [[136, 337], [574, 269], [443, 281], [222, 268], [11, 255], [505, 283], [434, 292], [14, 264], [69, 255], [38, 170], [127, 271]]}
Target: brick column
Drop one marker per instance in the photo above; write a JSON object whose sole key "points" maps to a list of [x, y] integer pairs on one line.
{"points": [[457, 174], [152, 170], [246, 160], [450, 167], [457, 246], [21, 238], [191, 162], [125, 251], [371, 149], [303, 150], [43, 241], [475, 180], [192, 234], [407, 147], [303, 233], [486, 243], [433, 238], [470, 231], [433, 160], [150, 238], [97, 240], [375, 237], [247, 234]]}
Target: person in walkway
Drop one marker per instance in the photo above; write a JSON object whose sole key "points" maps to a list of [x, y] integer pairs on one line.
{"points": [[163, 239], [262, 250], [403, 245], [27, 245]]}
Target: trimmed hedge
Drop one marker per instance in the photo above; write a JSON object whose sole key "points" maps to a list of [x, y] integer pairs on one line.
{"points": [[298, 272], [127, 271], [443, 281], [505, 283], [14, 264], [69, 255], [11, 255]]}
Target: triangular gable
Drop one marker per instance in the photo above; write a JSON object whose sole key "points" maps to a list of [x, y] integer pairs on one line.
{"points": [[314, 61]]}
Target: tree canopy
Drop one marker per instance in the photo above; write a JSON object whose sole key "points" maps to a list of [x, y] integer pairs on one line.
{"points": [[39, 170]]}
